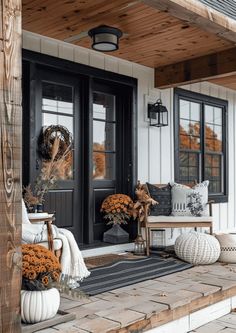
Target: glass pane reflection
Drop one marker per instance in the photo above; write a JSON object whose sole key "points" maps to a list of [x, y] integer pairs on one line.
{"points": [[103, 165], [58, 109], [57, 98], [104, 135], [104, 106], [54, 119]]}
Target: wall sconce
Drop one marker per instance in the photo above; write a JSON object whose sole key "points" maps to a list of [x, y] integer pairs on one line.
{"points": [[157, 114], [105, 38]]}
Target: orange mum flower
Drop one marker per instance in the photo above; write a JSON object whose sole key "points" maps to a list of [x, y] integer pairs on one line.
{"points": [[45, 280]]}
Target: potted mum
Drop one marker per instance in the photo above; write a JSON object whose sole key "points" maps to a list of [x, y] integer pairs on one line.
{"points": [[41, 270], [117, 209]]}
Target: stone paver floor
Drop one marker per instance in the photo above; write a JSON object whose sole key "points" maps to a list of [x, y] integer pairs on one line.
{"points": [[145, 305], [225, 324]]}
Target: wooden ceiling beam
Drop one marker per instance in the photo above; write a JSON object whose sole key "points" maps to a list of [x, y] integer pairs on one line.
{"points": [[195, 13], [203, 68]]}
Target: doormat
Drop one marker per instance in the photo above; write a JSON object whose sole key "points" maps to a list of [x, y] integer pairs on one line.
{"points": [[127, 272], [107, 259], [60, 317]]}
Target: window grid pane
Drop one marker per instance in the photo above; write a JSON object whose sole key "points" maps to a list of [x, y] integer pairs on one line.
{"points": [[191, 144], [58, 109], [104, 136]]}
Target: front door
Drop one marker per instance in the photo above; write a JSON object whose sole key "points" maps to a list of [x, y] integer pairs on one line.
{"points": [[99, 114], [111, 140], [57, 103]]}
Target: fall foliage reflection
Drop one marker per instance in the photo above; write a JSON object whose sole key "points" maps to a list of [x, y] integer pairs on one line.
{"points": [[98, 161], [191, 140]]}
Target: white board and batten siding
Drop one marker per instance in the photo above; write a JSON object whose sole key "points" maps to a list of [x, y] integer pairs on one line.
{"points": [[155, 145]]}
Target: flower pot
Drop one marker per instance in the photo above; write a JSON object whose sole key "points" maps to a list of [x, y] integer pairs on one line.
{"points": [[116, 235], [37, 306]]}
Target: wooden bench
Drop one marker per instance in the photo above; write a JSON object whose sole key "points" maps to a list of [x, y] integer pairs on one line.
{"points": [[156, 222]]}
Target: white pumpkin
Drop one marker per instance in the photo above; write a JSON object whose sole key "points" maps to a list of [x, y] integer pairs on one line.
{"points": [[197, 248], [37, 306]]}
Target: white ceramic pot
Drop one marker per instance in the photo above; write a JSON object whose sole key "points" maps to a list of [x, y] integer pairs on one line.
{"points": [[37, 306], [227, 247]]}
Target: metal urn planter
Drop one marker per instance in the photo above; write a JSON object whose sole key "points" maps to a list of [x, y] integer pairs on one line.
{"points": [[116, 235]]}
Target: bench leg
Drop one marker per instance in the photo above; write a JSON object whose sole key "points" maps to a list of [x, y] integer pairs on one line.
{"points": [[211, 230], [147, 241]]}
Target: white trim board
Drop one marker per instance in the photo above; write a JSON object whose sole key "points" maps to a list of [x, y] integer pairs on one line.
{"points": [[197, 319], [99, 251]]}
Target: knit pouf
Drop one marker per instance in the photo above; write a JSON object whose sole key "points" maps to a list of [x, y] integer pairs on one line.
{"points": [[227, 247], [197, 248]]}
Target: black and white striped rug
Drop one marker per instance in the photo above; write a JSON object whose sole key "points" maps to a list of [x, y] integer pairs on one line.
{"points": [[129, 271]]}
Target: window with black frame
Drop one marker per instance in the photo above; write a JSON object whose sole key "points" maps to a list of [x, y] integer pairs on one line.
{"points": [[201, 141]]}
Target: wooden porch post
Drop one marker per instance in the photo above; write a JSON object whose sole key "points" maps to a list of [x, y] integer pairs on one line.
{"points": [[10, 164]]}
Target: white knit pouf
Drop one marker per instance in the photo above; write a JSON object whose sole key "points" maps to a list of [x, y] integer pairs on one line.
{"points": [[227, 247], [197, 248]]}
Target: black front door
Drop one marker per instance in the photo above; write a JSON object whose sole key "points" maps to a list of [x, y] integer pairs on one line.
{"points": [[99, 114], [57, 103], [111, 140]]}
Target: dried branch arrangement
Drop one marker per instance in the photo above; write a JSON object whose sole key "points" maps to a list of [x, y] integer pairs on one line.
{"points": [[143, 203], [49, 174]]}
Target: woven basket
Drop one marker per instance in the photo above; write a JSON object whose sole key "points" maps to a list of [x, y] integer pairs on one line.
{"points": [[227, 247], [197, 248]]}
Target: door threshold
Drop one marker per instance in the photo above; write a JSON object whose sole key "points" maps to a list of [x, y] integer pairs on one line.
{"points": [[98, 251]]}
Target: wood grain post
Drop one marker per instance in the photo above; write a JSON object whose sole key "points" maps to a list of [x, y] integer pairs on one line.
{"points": [[10, 165]]}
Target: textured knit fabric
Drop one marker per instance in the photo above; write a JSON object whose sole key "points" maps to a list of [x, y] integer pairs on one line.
{"points": [[197, 248]]}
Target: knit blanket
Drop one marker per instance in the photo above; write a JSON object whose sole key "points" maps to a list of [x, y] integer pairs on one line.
{"points": [[72, 262]]}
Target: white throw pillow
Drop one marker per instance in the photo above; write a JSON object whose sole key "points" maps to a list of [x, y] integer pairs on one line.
{"points": [[188, 201]]}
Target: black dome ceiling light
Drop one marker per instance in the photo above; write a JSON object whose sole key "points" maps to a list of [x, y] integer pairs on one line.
{"points": [[105, 38]]}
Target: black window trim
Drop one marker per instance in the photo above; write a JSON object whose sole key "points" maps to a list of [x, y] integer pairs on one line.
{"points": [[203, 99]]}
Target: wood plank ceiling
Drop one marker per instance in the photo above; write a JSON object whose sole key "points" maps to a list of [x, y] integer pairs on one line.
{"points": [[151, 37], [227, 81]]}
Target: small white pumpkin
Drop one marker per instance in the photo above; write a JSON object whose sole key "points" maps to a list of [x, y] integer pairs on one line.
{"points": [[197, 248], [37, 306]]}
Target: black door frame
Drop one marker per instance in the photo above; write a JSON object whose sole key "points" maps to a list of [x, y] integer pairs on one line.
{"points": [[32, 60]]}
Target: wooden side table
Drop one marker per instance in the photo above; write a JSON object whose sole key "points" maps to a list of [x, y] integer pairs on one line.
{"points": [[48, 220]]}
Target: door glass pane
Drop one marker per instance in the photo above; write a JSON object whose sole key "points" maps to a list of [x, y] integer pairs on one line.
{"points": [[103, 135], [57, 98], [53, 119], [103, 165], [103, 106], [58, 109]]}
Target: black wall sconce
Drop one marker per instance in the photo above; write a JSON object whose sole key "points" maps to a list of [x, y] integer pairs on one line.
{"points": [[105, 38], [157, 114]]}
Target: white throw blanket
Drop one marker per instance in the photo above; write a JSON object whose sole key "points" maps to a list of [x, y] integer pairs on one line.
{"points": [[72, 261]]}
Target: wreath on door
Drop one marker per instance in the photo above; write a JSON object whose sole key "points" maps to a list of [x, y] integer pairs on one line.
{"points": [[46, 140]]}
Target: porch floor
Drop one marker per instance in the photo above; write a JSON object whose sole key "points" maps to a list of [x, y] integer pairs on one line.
{"points": [[225, 324], [149, 304]]}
